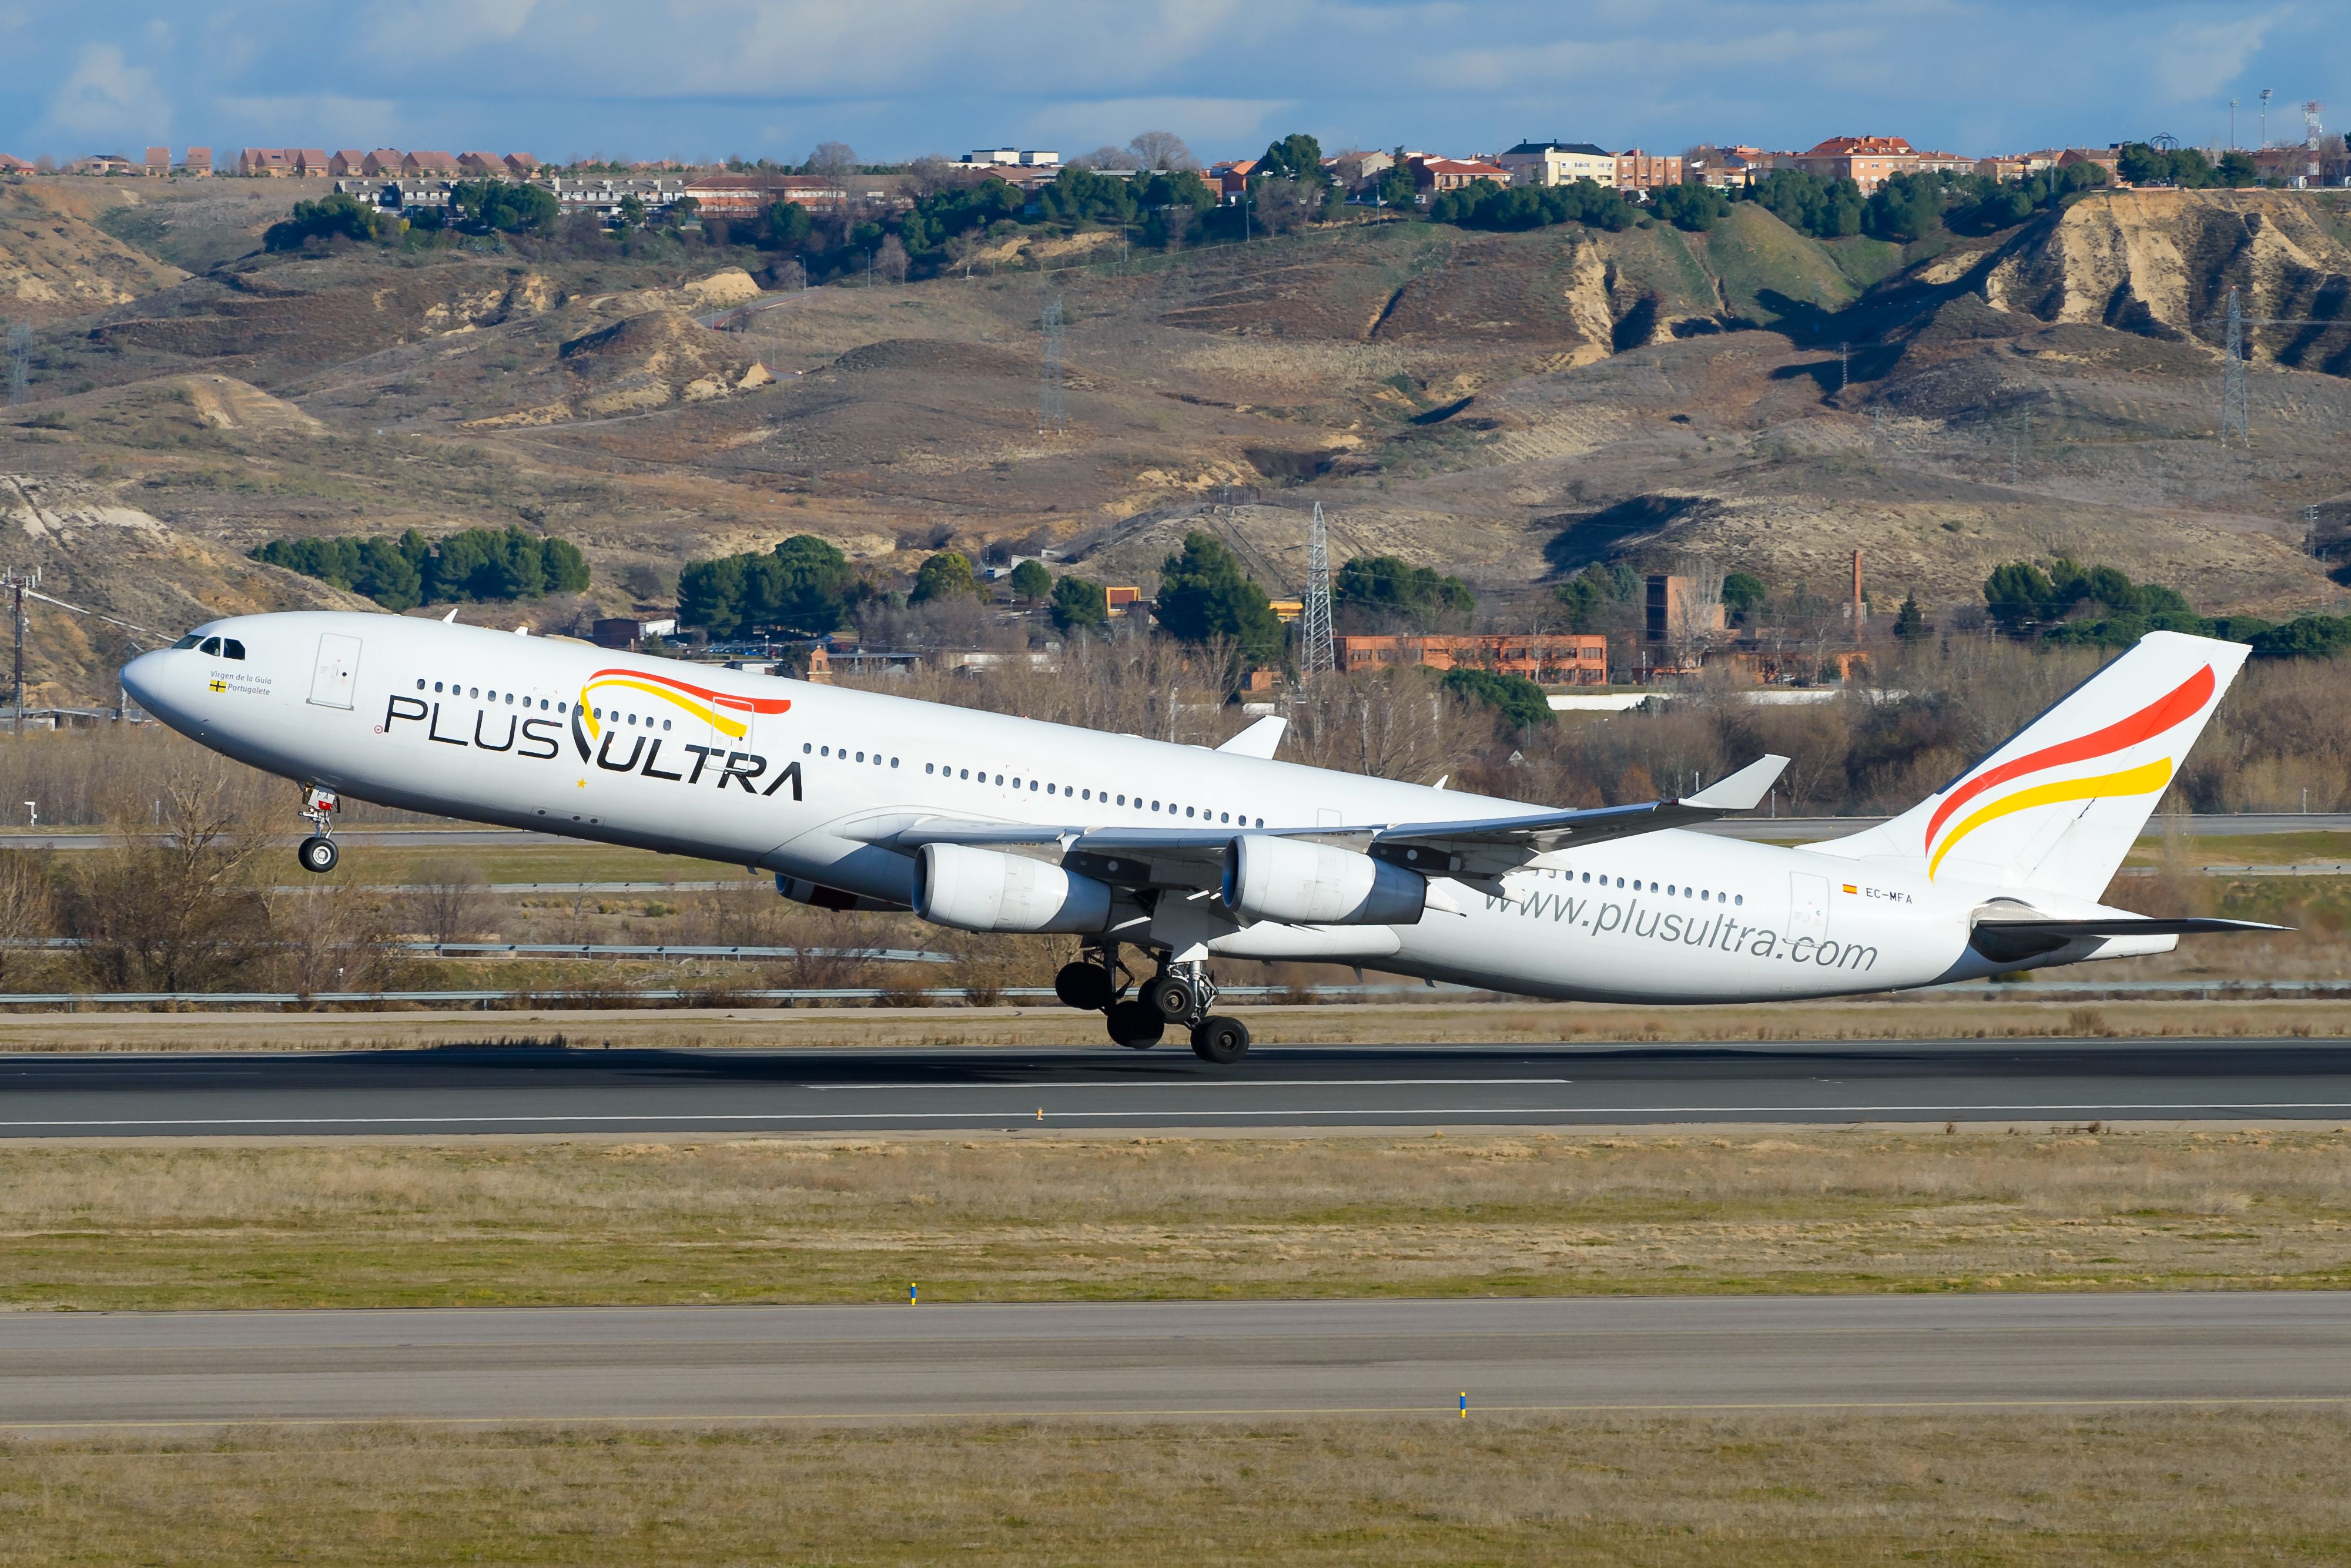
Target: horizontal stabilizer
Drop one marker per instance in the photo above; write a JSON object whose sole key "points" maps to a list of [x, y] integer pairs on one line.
{"points": [[2011, 940]]}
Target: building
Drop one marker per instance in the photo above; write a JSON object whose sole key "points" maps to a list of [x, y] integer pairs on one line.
{"points": [[1546, 658], [628, 631], [748, 196], [1676, 611], [1867, 160], [1435, 176], [1725, 168], [1121, 599], [103, 163], [521, 165], [1638, 171], [429, 166], [159, 162], [311, 162], [265, 162], [1008, 157], [199, 166], [2110, 158], [1558, 163], [383, 163], [1945, 163], [347, 164], [481, 165], [1357, 170], [1231, 180], [602, 197], [9, 165]]}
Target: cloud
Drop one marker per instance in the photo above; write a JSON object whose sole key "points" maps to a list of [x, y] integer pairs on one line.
{"points": [[105, 95]]}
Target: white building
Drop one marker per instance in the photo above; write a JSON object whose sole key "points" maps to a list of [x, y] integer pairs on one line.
{"points": [[1559, 163]]}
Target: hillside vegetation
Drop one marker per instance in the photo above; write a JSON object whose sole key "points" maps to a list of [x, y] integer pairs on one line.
{"points": [[1509, 406]]}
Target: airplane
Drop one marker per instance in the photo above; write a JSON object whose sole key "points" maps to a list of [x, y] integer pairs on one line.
{"points": [[976, 821]]}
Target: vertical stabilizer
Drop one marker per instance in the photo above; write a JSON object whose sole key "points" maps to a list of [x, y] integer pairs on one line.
{"points": [[2060, 804]]}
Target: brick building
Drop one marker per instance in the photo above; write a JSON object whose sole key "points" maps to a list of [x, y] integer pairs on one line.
{"points": [[1559, 163], [159, 162], [1867, 160], [199, 166], [1435, 176], [1637, 171], [1549, 658]]}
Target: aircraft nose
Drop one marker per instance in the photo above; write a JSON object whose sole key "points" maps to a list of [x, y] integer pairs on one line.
{"points": [[144, 678]]}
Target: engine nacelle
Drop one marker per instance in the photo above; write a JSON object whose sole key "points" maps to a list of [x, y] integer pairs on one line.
{"points": [[983, 890], [1302, 883]]}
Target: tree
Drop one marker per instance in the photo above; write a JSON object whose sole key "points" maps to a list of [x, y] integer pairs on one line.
{"points": [[1810, 204], [631, 213], [1161, 150], [1295, 157], [831, 159], [1743, 594], [1384, 589], [1907, 207], [683, 210], [1031, 583], [788, 224], [2238, 169], [1519, 701], [1203, 594], [710, 595], [1910, 622], [338, 216], [1592, 594], [1078, 603], [890, 260], [1397, 186], [1693, 207], [946, 575], [1103, 157]]}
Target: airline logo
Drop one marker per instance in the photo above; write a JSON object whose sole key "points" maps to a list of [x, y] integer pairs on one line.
{"points": [[700, 702], [2166, 712]]}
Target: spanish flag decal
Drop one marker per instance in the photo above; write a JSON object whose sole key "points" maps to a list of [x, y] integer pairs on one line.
{"points": [[713, 708], [2166, 712]]}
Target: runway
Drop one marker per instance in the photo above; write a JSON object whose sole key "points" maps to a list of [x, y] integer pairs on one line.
{"points": [[1953, 1353], [464, 1090]]}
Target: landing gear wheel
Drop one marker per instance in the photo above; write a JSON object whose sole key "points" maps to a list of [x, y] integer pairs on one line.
{"points": [[1171, 997], [1136, 1025], [1085, 987], [1220, 1040], [317, 854]]}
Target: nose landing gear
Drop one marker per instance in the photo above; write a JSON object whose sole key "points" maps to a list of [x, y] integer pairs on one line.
{"points": [[318, 853]]}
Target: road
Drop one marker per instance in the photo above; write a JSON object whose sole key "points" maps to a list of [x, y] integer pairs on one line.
{"points": [[1956, 1353], [516, 1089]]}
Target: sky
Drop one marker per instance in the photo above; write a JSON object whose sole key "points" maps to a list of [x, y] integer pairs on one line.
{"points": [[699, 79]]}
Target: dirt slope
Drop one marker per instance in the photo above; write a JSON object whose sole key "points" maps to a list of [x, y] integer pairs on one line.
{"points": [[55, 261]]}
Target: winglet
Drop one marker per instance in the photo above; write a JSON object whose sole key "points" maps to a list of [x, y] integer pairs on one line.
{"points": [[1259, 739], [1742, 790]]}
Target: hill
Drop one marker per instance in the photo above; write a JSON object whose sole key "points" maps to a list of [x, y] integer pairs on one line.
{"points": [[1510, 406]]}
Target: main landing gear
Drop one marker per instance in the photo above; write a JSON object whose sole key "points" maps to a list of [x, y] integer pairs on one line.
{"points": [[1179, 994], [318, 853]]}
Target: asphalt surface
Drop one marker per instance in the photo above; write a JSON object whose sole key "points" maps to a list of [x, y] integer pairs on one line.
{"points": [[517, 1090], [1955, 1353]]}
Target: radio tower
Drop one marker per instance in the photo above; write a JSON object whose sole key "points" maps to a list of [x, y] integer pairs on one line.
{"points": [[20, 363], [1317, 653], [1052, 413], [2309, 138], [2233, 414]]}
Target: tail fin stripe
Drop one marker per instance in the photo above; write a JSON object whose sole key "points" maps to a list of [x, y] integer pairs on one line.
{"points": [[2145, 779], [2165, 712]]}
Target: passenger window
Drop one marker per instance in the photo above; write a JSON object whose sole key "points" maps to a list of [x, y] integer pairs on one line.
{"points": [[420, 684], [211, 646], [1122, 799], [1049, 788], [475, 693], [231, 648], [1188, 810], [1739, 902], [559, 707]]}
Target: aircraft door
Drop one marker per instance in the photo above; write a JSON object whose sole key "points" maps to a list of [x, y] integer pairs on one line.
{"points": [[337, 670], [1808, 905]]}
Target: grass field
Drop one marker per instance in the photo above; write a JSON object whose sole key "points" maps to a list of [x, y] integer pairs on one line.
{"points": [[1041, 1217], [2217, 1486]]}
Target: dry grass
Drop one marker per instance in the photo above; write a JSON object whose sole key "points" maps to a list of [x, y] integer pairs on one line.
{"points": [[1049, 1218], [1037, 1026], [2220, 1487]]}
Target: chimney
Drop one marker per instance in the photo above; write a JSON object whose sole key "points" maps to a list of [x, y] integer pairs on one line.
{"points": [[1858, 610]]}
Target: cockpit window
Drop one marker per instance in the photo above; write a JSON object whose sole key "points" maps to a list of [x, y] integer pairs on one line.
{"points": [[212, 645], [232, 649], [190, 641]]}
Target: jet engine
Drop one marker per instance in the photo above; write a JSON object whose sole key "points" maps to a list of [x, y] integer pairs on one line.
{"points": [[1302, 883], [983, 890]]}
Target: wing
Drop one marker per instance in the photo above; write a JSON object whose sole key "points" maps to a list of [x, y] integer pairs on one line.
{"points": [[1479, 848]]}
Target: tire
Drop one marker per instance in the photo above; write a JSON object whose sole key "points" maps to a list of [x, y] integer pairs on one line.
{"points": [[317, 854], [1170, 997], [1223, 1041], [1085, 987], [1136, 1025]]}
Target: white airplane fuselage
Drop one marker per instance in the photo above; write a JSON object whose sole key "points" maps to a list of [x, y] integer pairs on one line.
{"points": [[801, 780]]}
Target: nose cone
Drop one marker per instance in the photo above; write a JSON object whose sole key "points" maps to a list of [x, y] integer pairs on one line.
{"points": [[147, 679]]}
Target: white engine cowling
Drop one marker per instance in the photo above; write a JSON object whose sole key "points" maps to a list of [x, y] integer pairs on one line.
{"points": [[1302, 883], [984, 890]]}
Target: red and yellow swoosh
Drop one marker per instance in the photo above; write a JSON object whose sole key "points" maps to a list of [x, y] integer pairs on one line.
{"points": [[2176, 706], [700, 701]]}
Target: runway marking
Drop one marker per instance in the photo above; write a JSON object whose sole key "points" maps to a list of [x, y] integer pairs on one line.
{"points": [[1446, 1411], [1209, 1083], [2103, 1108]]}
